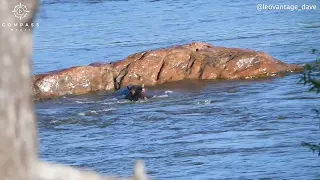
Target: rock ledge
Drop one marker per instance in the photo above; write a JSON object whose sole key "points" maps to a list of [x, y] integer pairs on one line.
{"points": [[191, 61]]}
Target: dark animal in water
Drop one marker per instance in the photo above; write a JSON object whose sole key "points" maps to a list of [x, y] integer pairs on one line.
{"points": [[134, 93]]}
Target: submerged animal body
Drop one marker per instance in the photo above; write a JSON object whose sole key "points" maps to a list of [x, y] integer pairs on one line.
{"points": [[134, 93]]}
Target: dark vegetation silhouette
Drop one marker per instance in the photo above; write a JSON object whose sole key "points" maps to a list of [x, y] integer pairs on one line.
{"points": [[311, 78]]}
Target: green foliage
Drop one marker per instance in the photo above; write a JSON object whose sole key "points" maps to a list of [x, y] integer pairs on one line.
{"points": [[311, 78]]}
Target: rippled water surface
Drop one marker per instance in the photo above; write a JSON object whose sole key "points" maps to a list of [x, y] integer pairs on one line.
{"points": [[188, 130]]}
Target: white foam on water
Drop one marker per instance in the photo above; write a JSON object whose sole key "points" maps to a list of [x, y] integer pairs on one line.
{"points": [[123, 101], [82, 114], [205, 102], [85, 102], [142, 101], [107, 110], [108, 103], [88, 113], [93, 112], [161, 96], [54, 121]]}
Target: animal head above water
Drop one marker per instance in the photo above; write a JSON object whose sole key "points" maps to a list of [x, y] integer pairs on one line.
{"points": [[136, 92]]}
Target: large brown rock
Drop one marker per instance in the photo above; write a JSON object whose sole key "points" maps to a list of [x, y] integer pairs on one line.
{"points": [[191, 61]]}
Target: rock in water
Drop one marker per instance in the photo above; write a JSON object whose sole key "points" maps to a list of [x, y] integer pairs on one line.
{"points": [[191, 61]]}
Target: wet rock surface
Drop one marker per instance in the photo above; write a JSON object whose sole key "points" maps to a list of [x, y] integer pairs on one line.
{"points": [[191, 61]]}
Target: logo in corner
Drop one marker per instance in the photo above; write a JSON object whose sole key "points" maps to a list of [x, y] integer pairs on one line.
{"points": [[20, 11]]}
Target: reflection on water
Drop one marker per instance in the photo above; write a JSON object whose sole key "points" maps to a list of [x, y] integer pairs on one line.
{"points": [[189, 129]]}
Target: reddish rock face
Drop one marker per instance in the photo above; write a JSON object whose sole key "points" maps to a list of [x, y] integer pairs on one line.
{"points": [[191, 61], [75, 80]]}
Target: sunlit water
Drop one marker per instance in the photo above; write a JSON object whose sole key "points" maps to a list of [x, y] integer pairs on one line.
{"points": [[188, 130]]}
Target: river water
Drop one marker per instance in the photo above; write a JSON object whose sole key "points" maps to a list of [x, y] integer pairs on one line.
{"points": [[189, 130]]}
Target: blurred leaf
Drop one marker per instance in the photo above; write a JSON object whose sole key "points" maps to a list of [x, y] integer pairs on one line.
{"points": [[308, 67], [311, 78]]}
